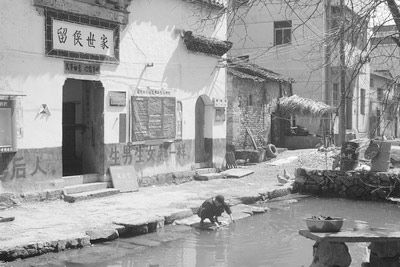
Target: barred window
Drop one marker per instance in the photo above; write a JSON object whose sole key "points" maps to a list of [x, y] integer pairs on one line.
{"points": [[282, 32]]}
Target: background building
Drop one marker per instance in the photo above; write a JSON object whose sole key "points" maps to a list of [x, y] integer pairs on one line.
{"points": [[384, 105], [300, 40]]}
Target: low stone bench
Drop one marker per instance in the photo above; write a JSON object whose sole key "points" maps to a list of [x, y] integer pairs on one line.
{"points": [[330, 248]]}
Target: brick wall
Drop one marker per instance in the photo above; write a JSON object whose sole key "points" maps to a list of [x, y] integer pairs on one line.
{"points": [[250, 104]]}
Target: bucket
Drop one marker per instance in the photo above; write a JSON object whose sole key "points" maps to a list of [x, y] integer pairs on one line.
{"points": [[381, 162], [349, 156]]}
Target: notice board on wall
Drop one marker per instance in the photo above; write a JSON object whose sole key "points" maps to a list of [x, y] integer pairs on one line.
{"points": [[153, 118]]}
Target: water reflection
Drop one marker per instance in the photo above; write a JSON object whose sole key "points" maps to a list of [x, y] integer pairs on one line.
{"points": [[270, 239]]}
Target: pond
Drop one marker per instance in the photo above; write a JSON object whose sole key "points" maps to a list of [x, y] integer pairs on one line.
{"points": [[270, 239]]}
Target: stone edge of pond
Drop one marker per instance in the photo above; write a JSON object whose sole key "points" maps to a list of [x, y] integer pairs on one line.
{"points": [[123, 228]]}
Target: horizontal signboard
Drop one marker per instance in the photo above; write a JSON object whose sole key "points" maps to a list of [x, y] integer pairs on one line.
{"points": [[81, 68], [117, 99], [81, 38], [68, 37]]}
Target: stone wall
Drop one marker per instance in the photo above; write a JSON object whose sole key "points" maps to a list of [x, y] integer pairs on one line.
{"points": [[354, 184], [33, 169]]}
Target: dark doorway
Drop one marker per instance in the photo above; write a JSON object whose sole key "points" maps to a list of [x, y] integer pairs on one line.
{"points": [[71, 163], [82, 127], [203, 133]]}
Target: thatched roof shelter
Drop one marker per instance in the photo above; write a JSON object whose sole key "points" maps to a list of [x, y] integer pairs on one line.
{"points": [[297, 105]]}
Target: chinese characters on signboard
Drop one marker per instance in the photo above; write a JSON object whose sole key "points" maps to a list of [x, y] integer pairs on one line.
{"points": [[82, 38], [148, 91], [81, 68]]}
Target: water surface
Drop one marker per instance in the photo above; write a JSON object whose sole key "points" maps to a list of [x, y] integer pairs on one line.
{"points": [[270, 239]]}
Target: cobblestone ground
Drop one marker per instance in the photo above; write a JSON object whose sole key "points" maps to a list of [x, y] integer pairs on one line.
{"points": [[55, 220]]}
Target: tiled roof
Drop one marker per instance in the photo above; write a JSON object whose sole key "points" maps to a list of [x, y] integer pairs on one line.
{"points": [[245, 76], [211, 46], [255, 72]]}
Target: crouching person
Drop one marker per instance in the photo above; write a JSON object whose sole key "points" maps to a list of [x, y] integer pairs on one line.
{"points": [[213, 208]]}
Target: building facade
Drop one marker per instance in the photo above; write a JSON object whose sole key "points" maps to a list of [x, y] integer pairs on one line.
{"points": [[384, 50], [253, 94], [384, 106], [85, 85], [297, 40]]}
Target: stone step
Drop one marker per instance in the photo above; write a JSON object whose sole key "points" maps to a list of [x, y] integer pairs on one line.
{"points": [[79, 188], [208, 176], [80, 179], [205, 170], [91, 194]]}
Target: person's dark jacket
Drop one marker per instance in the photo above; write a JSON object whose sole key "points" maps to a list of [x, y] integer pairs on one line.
{"points": [[212, 208]]}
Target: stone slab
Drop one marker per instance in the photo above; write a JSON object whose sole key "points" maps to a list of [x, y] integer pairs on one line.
{"points": [[257, 210], [331, 254], [188, 221], [235, 215], [91, 194], [242, 208], [208, 176], [237, 172], [178, 215], [131, 221], [368, 235], [124, 178], [102, 234], [74, 189]]}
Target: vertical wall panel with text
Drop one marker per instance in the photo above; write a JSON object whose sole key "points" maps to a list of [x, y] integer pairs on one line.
{"points": [[153, 118]]}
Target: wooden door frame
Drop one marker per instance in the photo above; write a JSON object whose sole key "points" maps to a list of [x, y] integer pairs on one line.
{"points": [[207, 155]]}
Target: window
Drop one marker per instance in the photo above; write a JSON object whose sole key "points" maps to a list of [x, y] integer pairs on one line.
{"points": [[335, 94], [362, 101], [178, 120], [379, 94], [371, 82], [282, 32], [5, 132], [250, 100], [7, 129]]}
